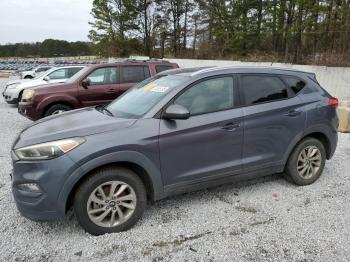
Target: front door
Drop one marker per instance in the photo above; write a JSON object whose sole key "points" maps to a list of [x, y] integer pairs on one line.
{"points": [[103, 88], [58, 76], [209, 143]]}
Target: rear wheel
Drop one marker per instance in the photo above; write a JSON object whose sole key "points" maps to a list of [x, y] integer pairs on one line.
{"points": [[57, 109], [111, 200], [28, 77], [307, 161]]}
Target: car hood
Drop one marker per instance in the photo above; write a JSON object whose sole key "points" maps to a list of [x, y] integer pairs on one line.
{"points": [[31, 83], [18, 81], [76, 123], [43, 86]]}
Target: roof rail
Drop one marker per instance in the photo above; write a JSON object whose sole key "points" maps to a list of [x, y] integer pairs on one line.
{"points": [[145, 60]]}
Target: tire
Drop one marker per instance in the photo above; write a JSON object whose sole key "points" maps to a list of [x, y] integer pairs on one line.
{"points": [[57, 109], [88, 192], [28, 77], [303, 169], [19, 97]]}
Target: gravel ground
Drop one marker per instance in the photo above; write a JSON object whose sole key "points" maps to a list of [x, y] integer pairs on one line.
{"points": [[260, 220]]}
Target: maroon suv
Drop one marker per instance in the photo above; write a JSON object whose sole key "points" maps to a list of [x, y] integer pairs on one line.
{"points": [[93, 85]]}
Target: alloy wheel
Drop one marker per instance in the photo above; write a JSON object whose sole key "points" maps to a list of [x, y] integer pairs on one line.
{"points": [[309, 162], [111, 204], [56, 112]]}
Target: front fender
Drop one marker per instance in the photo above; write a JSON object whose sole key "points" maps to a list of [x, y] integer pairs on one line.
{"points": [[61, 98], [111, 158]]}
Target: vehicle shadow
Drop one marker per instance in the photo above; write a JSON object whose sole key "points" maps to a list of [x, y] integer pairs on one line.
{"points": [[219, 193]]}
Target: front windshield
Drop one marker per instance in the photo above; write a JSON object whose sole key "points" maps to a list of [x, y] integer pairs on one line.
{"points": [[38, 75], [77, 75], [141, 98]]}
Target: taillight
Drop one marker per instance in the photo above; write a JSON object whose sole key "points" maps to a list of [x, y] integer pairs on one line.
{"points": [[333, 102]]}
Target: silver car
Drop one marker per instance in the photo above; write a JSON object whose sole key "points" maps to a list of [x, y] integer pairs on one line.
{"points": [[14, 89]]}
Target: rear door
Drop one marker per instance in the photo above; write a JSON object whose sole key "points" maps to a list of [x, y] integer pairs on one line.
{"points": [[130, 75], [273, 119], [103, 88]]}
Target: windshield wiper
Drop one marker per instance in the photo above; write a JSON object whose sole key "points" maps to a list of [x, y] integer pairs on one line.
{"points": [[106, 110], [102, 109]]}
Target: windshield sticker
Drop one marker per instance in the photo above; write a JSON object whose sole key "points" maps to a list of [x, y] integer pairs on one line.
{"points": [[154, 88], [149, 87], [159, 89]]}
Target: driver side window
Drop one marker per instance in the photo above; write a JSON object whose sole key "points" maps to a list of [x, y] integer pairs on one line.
{"points": [[208, 96], [59, 74], [106, 75]]}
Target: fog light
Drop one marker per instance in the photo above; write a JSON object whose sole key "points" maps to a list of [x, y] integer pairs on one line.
{"points": [[29, 187]]}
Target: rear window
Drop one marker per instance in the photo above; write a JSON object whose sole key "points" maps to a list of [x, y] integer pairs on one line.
{"points": [[73, 70], [161, 68], [294, 83], [261, 89], [42, 69]]}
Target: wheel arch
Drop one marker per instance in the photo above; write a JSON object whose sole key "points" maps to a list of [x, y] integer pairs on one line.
{"points": [[323, 139], [58, 102], [137, 162], [139, 171]]}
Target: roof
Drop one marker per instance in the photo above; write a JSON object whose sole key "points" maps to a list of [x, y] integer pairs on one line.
{"points": [[134, 62], [196, 71]]}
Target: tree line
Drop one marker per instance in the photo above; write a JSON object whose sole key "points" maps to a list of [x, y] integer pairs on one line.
{"points": [[47, 48], [298, 31]]}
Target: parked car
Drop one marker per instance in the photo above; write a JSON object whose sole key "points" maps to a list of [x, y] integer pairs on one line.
{"points": [[179, 131], [14, 89], [33, 73], [94, 85]]}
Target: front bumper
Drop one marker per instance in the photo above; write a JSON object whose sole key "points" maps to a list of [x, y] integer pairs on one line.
{"points": [[10, 96], [28, 110], [49, 176]]}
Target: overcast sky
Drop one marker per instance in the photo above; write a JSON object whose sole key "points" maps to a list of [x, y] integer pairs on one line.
{"points": [[36, 20]]}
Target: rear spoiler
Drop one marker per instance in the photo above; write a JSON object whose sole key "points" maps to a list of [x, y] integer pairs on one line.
{"points": [[312, 76]]}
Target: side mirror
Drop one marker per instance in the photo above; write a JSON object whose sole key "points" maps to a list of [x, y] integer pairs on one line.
{"points": [[86, 82], [46, 78], [176, 112]]}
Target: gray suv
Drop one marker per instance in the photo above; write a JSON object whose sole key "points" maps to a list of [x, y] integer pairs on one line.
{"points": [[182, 130]]}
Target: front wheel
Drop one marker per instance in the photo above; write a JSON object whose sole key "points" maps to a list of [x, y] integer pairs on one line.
{"points": [[306, 163], [57, 109], [111, 200]]}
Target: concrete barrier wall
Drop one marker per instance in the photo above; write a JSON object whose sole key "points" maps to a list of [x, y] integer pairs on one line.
{"points": [[336, 80]]}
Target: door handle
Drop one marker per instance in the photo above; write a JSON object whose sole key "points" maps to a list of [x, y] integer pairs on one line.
{"points": [[230, 126], [111, 91], [293, 113]]}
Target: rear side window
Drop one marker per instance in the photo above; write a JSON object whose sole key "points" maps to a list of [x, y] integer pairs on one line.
{"points": [[294, 83], [133, 74], [161, 68], [261, 89], [72, 71], [42, 69]]}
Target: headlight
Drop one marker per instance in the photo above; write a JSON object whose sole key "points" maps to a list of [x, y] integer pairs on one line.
{"points": [[12, 86], [27, 95], [48, 150]]}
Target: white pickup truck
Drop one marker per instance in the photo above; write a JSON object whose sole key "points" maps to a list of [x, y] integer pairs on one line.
{"points": [[33, 73]]}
